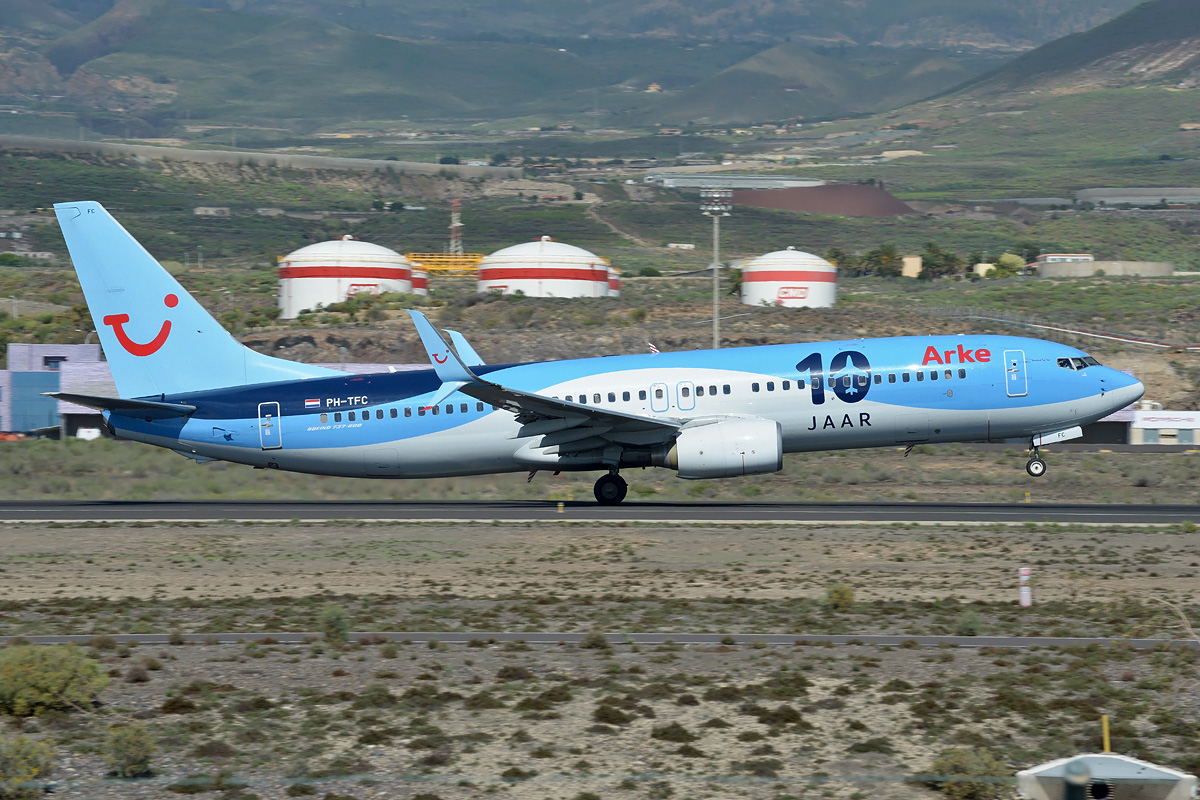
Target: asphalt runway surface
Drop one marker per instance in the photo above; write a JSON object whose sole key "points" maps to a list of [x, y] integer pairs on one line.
{"points": [[686, 513], [618, 639]]}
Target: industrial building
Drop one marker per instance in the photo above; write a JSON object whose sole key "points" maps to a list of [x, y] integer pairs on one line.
{"points": [[330, 272], [718, 180], [789, 278], [544, 268]]}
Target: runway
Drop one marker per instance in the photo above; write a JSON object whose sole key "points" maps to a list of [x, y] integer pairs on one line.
{"points": [[550, 512], [551, 639]]}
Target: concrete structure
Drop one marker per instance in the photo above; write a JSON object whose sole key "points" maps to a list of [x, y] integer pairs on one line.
{"points": [[1086, 269], [544, 268], [911, 266], [330, 272], [1163, 426], [789, 278], [682, 180], [32, 370], [1188, 195]]}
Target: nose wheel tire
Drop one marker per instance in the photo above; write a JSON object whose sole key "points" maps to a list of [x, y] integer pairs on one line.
{"points": [[611, 489], [1036, 467]]}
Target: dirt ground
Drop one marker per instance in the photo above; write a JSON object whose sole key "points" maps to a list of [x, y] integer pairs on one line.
{"points": [[562, 721], [901, 562]]}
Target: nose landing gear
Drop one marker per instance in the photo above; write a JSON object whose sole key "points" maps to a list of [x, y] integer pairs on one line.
{"points": [[610, 489], [1036, 467]]}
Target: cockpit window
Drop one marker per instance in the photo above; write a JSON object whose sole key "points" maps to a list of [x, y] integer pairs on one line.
{"points": [[1078, 363]]}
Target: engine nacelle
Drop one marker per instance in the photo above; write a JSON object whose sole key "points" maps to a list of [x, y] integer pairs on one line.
{"points": [[727, 449]]}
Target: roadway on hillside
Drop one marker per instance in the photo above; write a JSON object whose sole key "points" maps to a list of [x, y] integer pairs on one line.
{"points": [[545, 511]]}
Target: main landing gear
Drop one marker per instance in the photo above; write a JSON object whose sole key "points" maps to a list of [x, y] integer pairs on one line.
{"points": [[610, 489], [1036, 467]]}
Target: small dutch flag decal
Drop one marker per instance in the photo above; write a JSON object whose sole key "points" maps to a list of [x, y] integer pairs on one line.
{"points": [[312, 403]]}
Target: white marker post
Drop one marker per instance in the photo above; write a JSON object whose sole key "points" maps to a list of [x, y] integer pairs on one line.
{"points": [[1026, 591]]}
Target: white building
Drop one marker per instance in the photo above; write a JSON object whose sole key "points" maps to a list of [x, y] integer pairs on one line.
{"points": [[789, 278], [330, 272], [544, 268]]}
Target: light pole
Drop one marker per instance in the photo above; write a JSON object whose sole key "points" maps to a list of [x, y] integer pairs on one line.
{"points": [[716, 203]]}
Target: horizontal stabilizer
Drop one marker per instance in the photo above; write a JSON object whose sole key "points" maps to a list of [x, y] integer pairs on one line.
{"points": [[149, 409]]}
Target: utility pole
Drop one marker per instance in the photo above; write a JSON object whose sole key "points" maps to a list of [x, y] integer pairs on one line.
{"points": [[716, 203]]}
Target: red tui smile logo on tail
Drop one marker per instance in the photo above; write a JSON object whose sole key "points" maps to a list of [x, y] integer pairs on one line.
{"points": [[117, 321]]}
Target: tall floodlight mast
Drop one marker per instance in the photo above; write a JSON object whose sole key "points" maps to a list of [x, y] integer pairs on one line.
{"points": [[716, 203]]}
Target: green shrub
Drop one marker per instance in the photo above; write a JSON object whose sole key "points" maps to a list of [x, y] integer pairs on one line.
{"points": [[128, 750], [839, 596], [37, 678], [969, 623], [969, 774], [24, 765], [674, 732], [595, 641], [335, 625]]}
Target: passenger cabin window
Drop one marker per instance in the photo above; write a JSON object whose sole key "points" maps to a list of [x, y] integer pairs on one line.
{"points": [[699, 391], [861, 380], [933, 376], [684, 391], [891, 377], [570, 398], [642, 394], [449, 408], [350, 416], [612, 397], [324, 419], [408, 412], [421, 411], [770, 386], [479, 407], [658, 394], [393, 413], [904, 376], [379, 413], [712, 391], [337, 416], [754, 387], [920, 377], [962, 373], [625, 396], [725, 389], [949, 374], [785, 385], [596, 398], [433, 410], [463, 408], [878, 379], [582, 399], [816, 382]]}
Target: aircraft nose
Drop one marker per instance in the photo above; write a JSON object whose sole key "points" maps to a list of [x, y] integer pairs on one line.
{"points": [[1127, 391]]}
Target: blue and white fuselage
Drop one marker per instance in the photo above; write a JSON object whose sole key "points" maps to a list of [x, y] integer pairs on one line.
{"points": [[190, 387]]}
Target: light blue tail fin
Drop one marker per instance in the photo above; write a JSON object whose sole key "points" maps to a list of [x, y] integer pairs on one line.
{"points": [[158, 339]]}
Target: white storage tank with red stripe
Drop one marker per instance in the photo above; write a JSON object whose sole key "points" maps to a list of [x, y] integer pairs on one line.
{"points": [[330, 272], [789, 278], [614, 282], [420, 281], [544, 268]]}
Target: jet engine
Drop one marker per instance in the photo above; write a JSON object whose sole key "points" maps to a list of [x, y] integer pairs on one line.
{"points": [[727, 449]]}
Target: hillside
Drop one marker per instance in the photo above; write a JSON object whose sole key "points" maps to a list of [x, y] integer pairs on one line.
{"points": [[1003, 25], [1157, 41]]}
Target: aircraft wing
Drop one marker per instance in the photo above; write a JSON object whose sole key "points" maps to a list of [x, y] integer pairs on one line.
{"points": [[150, 409], [539, 414]]}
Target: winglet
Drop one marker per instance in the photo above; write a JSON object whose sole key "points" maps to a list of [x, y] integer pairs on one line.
{"points": [[465, 351], [446, 363]]}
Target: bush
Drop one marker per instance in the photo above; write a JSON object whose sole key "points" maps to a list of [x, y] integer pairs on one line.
{"points": [[839, 596], [128, 750], [968, 774], [595, 641], [969, 623], [23, 762], [674, 732], [335, 625], [37, 678]]}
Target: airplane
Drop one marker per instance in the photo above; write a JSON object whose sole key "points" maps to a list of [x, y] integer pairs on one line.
{"points": [[187, 385]]}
